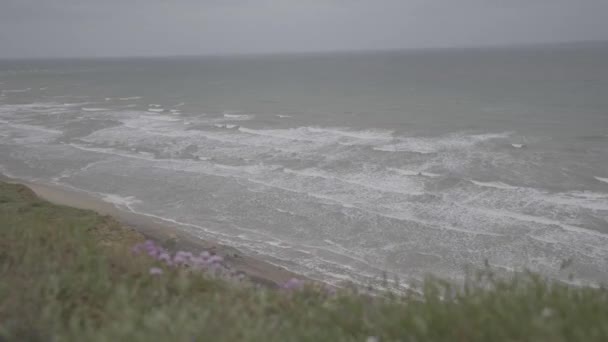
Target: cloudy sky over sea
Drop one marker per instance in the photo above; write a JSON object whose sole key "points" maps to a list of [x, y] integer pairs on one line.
{"points": [[58, 28]]}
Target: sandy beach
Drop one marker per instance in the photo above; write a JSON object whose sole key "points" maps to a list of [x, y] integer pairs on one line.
{"points": [[166, 233]]}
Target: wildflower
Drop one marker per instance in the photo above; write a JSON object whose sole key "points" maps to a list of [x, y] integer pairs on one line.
{"points": [[149, 244], [152, 249], [199, 262], [156, 271], [330, 290], [166, 258], [179, 260], [182, 258], [216, 259], [293, 284]]}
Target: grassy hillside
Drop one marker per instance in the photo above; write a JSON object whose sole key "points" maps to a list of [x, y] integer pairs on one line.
{"points": [[71, 275]]}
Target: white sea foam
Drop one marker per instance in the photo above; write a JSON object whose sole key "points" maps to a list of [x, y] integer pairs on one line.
{"points": [[34, 128], [322, 135], [120, 201], [10, 91], [518, 145], [289, 134], [283, 116], [123, 98], [156, 110], [496, 185], [27, 134], [375, 181], [20, 111], [414, 173], [111, 151], [163, 118], [155, 105], [238, 116], [584, 199], [426, 145], [92, 109], [542, 221], [605, 180], [363, 135], [76, 104], [227, 126]]}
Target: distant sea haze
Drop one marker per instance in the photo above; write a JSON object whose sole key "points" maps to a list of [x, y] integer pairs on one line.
{"points": [[340, 167]]}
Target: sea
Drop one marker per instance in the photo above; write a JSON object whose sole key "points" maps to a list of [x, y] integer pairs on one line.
{"points": [[343, 167]]}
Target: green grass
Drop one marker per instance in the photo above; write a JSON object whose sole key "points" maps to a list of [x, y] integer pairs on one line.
{"points": [[69, 275]]}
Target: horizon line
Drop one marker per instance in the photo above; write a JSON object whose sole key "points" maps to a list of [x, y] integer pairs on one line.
{"points": [[317, 52]]}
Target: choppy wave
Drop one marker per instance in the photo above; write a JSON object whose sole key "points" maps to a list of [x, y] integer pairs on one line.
{"points": [[322, 135], [415, 173], [496, 185], [584, 199], [427, 145], [240, 117], [94, 109], [131, 98], [227, 126], [363, 135], [10, 91], [116, 152], [329, 182], [604, 180], [15, 133], [383, 183]]}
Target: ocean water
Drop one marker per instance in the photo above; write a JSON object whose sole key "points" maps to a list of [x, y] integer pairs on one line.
{"points": [[337, 166]]}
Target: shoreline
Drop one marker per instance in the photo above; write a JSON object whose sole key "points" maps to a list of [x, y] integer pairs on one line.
{"points": [[259, 271]]}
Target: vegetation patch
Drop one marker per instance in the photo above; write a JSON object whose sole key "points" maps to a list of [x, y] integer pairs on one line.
{"points": [[73, 275]]}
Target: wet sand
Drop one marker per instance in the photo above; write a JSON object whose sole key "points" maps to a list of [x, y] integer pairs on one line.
{"points": [[169, 235]]}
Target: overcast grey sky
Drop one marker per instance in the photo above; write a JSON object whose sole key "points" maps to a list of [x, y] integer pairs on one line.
{"points": [[43, 28]]}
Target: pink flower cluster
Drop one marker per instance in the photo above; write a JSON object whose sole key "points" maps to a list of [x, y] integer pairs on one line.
{"points": [[204, 261], [293, 284]]}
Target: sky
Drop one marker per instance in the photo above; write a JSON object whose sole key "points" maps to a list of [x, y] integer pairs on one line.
{"points": [[103, 28]]}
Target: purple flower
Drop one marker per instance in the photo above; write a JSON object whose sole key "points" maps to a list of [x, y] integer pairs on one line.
{"points": [[156, 271], [166, 258], [293, 284], [216, 259], [330, 290], [200, 262], [180, 260], [152, 249]]}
